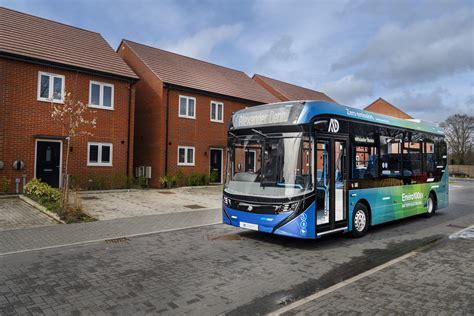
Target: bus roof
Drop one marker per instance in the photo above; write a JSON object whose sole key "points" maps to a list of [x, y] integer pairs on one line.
{"points": [[302, 112]]}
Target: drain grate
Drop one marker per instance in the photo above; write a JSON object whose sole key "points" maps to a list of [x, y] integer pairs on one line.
{"points": [[166, 192], [194, 206], [117, 240], [223, 237], [89, 197]]}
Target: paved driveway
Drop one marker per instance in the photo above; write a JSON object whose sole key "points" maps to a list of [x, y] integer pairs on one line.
{"points": [[16, 214], [113, 205]]}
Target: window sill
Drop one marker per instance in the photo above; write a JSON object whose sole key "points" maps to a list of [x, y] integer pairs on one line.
{"points": [[100, 107], [50, 101], [185, 165], [187, 117], [216, 121], [98, 165]]}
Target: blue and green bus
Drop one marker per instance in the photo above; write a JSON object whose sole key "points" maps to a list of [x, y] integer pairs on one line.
{"points": [[309, 168]]}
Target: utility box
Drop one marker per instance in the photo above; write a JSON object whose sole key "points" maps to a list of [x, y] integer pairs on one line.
{"points": [[140, 171], [148, 172]]}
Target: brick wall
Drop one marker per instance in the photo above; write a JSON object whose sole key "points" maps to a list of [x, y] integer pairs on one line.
{"points": [[150, 123], [200, 133], [23, 117]]}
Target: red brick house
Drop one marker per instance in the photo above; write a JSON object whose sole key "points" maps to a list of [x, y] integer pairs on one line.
{"points": [[40, 60], [382, 106], [183, 110], [287, 92]]}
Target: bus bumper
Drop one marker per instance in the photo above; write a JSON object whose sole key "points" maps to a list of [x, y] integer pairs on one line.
{"points": [[301, 226]]}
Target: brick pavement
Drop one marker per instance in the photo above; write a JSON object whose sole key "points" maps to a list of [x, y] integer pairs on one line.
{"points": [[207, 270], [437, 281], [16, 214], [120, 204], [43, 237]]}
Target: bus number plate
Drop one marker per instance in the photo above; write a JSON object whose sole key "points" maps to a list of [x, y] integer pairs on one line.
{"points": [[249, 226]]}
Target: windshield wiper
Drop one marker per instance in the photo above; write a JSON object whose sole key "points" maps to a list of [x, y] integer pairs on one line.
{"points": [[259, 133]]}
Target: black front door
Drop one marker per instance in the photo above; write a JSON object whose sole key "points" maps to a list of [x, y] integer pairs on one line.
{"points": [[250, 161], [48, 161], [216, 165]]}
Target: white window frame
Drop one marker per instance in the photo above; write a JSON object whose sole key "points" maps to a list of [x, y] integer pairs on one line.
{"points": [[101, 95], [187, 107], [186, 163], [216, 119], [99, 163], [51, 87]]}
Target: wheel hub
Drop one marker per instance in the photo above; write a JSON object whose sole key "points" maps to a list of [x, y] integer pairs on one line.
{"points": [[359, 220]]}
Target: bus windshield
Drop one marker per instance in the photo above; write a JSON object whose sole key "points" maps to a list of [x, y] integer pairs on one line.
{"points": [[276, 165]]}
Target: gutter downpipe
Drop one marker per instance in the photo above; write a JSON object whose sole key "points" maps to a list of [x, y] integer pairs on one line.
{"points": [[131, 83], [168, 87]]}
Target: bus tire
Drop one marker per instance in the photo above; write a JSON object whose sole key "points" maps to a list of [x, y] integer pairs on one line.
{"points": [[430, 206], [360, 220]]}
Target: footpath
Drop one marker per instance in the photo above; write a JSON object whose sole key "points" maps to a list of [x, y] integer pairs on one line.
{"points": [[20, 240], [438, 280]]}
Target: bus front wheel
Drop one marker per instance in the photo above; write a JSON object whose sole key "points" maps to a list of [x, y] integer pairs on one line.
{"points": [[430, 206], [360, 220]]}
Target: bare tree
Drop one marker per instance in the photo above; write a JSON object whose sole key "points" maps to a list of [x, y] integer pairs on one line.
{"points": [[459, 130], [75, 118]]}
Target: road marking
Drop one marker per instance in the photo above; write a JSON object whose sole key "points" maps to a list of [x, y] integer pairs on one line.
{"points": [[340, 285], [103, 239], [466, 233]]}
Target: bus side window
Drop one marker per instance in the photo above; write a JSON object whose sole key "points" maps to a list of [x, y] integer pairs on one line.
{"points": [[441, 159], [390, 152], [364, 162], [429, 160]]}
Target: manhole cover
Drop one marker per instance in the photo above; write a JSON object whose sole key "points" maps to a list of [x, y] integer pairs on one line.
{"points": [[165, 192], [194, 206], [89, 197], [223, 237]]}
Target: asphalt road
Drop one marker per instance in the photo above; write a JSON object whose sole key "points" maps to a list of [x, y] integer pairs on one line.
{"points": [[210, 270]]}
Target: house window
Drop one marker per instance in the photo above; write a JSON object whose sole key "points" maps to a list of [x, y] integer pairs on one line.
{"points": [[101, 95], [99, 154], [185, 156], [50, 87], [187, 107], [217, 112]]}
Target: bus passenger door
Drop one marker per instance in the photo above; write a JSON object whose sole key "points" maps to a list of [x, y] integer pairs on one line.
{"points": [[331, 184]]}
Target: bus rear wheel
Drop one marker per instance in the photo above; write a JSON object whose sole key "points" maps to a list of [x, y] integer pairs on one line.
{"points": [[430, 206], [360, 220]]}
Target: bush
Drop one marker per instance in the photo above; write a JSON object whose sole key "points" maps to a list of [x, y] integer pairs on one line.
{"points": [[195, 179], [214, 177], [4, 185], [44, 194], [180, 178], [164, 181]]}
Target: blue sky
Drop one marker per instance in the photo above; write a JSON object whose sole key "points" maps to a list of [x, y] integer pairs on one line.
{"points": [[418, 55]]}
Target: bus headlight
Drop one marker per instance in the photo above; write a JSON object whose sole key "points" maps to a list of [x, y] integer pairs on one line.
{"points": [[290, 207], [226, 200]]}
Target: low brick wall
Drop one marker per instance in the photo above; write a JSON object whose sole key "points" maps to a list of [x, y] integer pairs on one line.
{"points": [[466, 169]]}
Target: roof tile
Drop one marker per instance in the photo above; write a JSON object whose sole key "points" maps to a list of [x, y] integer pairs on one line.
{"points": [[293, 92], [197, 74], [30, 36]]}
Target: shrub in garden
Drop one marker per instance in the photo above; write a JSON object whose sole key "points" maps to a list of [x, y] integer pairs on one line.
{"points": [[44, 194], [4, 185]]}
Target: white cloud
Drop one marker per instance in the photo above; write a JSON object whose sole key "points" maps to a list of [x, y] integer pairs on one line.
{"points": [[201, 44], [348, 89], [423, 51]]}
